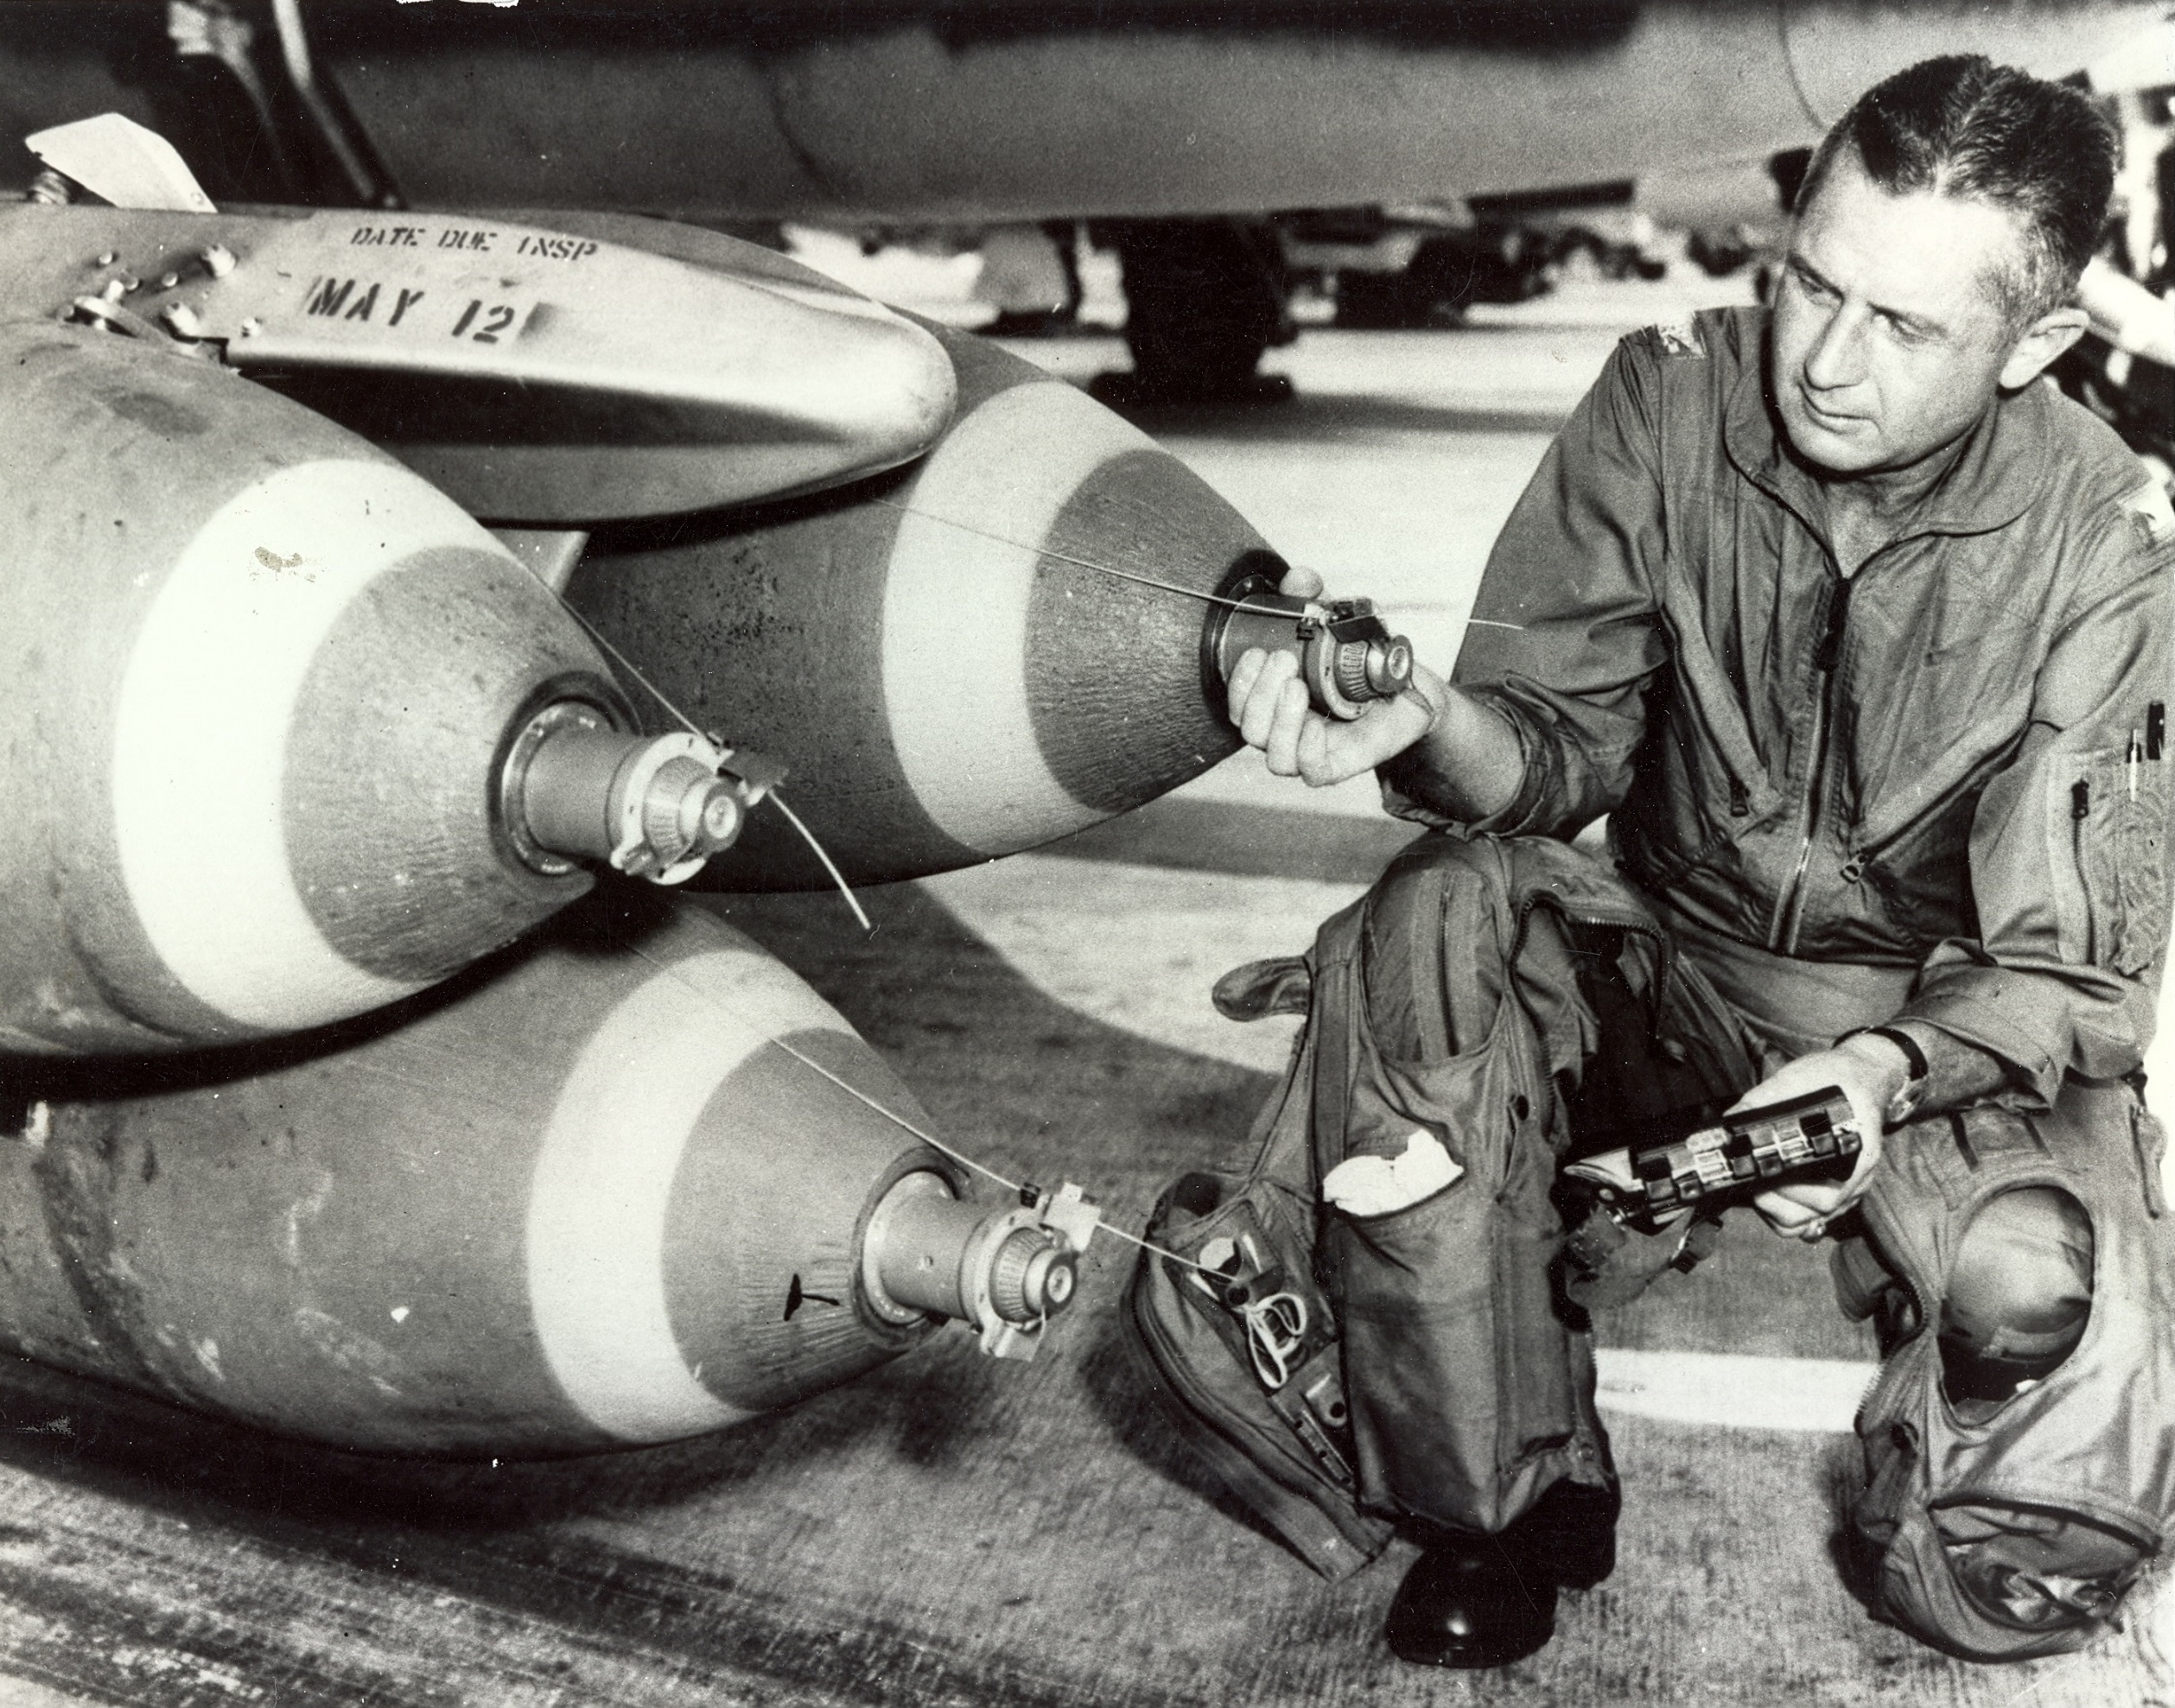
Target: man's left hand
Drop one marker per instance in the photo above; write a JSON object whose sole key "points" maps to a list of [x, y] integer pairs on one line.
{"points": [[1869, 1072]]}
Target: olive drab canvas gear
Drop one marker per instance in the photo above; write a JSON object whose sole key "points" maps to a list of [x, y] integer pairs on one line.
{"points": [[1465, 998], [1277, 1439], [2016, 1533]]}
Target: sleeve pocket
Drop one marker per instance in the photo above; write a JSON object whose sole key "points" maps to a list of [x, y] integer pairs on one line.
{"points": [[2110, 818]]}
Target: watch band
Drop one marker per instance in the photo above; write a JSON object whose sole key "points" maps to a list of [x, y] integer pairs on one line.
{"points": [[1915, 1066]]}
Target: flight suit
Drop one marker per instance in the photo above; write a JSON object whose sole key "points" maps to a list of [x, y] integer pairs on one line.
{"points": [[1949, 769], [1935, 789]]}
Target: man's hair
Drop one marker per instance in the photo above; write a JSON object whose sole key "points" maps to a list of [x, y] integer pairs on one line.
{"points": [[1963, 126]]}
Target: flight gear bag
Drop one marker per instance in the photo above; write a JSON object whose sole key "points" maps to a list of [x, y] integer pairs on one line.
{"points": [[2010, 1530], [1263, 1406], [1459, 999]]}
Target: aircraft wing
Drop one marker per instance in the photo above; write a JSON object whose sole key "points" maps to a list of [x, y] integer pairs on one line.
{"points": [[983, 111]]}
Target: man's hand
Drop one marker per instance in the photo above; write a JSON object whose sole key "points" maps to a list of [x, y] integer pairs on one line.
{"points": [[1869, 1072], [1270, 704]]}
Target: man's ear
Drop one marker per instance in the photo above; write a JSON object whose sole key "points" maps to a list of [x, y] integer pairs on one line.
{"points": [[2045, 338]]}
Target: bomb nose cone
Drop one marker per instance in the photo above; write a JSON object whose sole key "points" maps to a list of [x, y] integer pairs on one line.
{"points": [[270, 674], [575, 788], [959, 661], [630, 1211], [1390, 667], [1345, 654], [1031, 1277]]}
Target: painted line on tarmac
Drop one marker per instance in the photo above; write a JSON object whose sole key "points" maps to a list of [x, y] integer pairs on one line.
{"points": [[1732, 1390]]}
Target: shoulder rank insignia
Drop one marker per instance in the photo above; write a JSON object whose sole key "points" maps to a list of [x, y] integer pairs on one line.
{"points": [[1679, 337], [2151, 513]]}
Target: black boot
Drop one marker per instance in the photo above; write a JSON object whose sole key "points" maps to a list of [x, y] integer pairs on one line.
{"points": [[1568, 1536], [1471, 1603], [1486, 1601]]}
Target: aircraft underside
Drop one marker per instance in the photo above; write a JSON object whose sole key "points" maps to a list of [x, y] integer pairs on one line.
{"points": [[1182, 129]]}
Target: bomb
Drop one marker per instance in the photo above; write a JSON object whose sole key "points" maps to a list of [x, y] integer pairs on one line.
{"points": [[950, 659], [545, 377], [612, 1189], [264, 685]]}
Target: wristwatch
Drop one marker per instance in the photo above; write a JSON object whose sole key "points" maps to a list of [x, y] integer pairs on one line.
{"points": [[1905, 1104]]}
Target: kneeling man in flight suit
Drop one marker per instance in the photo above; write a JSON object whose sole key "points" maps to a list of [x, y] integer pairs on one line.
{"points": [[1837, 610]]}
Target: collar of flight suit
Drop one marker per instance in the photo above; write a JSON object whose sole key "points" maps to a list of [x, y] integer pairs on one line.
{"points": [[1996, 476]]}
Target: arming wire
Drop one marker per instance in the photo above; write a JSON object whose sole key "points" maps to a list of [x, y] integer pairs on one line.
{"points": [[1109, 569], [1064, 556], [694, 728], [837, 876], [1346, 655], [624, 661], [897, 1119]]}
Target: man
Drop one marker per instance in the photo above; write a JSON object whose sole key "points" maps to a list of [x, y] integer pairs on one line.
{"points": [[1841, 615]]}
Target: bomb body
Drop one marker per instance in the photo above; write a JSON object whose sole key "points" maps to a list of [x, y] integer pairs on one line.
{"points": [[262, 677], [594, 1194], [941, 656]]}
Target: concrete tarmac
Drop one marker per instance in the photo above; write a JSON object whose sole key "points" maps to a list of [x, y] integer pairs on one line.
{"points": [[956, 1531]]}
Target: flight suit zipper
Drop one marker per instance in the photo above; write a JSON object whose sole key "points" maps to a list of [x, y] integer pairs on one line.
{"points": [[2080, 816], [1782, 931]]}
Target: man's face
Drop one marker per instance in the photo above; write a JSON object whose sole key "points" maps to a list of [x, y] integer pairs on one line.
{"points": [[1888, 345]]}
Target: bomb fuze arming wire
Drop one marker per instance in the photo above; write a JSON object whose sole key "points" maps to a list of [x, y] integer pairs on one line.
{"points": [[1345, 653], [1008, 1271]]}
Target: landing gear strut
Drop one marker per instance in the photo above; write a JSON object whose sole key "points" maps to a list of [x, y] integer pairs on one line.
{"points": [[1203, 299]]}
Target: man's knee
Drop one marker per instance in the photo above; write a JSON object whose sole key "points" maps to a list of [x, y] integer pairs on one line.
{"points": [[1420, 1007], [2018, 1295]]}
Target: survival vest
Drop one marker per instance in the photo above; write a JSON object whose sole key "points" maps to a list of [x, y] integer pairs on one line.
{"points": [[2014, 1535]]}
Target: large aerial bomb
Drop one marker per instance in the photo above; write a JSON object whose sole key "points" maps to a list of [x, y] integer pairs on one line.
{"points": [[533, 374], [281, 714], [637, 1183], [997, 646]]}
